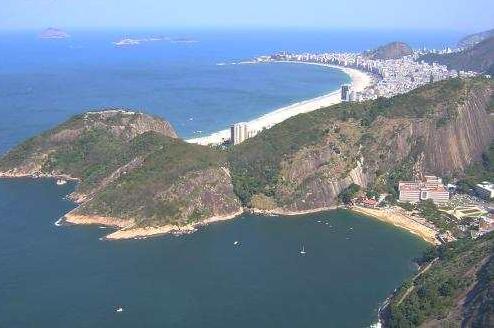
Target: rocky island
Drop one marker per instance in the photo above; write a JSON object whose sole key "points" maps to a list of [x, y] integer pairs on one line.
{"points": [[53, 33]]}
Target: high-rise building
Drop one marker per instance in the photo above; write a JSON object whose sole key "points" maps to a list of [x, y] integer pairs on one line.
{"points": [[345, 92], [239, 132]]}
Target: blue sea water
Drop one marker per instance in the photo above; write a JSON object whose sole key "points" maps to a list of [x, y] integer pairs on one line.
{"points": [[66, 277], [44, 82]]}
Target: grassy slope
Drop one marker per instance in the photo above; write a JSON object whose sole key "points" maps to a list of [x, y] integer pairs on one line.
{"points": [[436, 292], [136, 194]]}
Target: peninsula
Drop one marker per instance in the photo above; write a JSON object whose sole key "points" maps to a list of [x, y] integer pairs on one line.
{"points": [[136, 175]]}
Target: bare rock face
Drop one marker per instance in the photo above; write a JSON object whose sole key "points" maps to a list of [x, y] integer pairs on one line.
{"points": [[441, 129], [128, 124], [393, 50]]}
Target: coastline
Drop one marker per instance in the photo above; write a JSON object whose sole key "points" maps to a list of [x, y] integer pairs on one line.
{"points": [[127, 229], [277, 212], [401, 221], [359, 81]]}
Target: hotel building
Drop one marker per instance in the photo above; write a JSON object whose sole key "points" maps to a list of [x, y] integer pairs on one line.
{"points": [[346, 90], [239, 132], [430, 187]]}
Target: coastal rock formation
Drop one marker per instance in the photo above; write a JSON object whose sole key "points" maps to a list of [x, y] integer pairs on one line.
{"points": [[132, 171], [132, 168], [393, 50], [478, 58], [53, 33], [440, 129]]}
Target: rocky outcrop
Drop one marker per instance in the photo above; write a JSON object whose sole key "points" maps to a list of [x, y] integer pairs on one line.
{"points": [[393, 50], [133, 173], [447, 148]]}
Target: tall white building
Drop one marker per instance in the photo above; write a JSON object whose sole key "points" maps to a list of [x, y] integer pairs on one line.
{"points": [[346, 90], [239, 132]]}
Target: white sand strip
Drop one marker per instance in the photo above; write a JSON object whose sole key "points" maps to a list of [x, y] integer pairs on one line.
{"points": [[360, 81]]}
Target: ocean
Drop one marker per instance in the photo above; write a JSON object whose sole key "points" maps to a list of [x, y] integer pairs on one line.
{"points": [[65, 276]]}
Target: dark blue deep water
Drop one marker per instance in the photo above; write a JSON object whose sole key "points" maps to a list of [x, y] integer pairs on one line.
{"points": [[66, 277]]}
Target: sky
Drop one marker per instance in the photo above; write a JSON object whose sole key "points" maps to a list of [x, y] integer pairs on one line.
{"points": [[458, 15]]}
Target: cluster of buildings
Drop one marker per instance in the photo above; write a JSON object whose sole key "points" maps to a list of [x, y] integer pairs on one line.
{"points": [[485, 190], [348, 94], [239, 132], [429, 187], [393, 76]]}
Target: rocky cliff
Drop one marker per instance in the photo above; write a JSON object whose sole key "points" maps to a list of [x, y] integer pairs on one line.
{"points": [[135, 173], [436, 129], [478, 58]]}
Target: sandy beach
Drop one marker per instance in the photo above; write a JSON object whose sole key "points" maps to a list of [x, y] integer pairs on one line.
{"points": [[360, 81], [127, 229], [400, 220]]}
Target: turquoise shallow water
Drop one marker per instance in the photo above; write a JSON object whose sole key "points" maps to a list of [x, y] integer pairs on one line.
{"points": [[65, 276]]}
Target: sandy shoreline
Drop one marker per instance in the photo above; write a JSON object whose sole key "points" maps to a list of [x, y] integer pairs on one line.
{"points": [[277, 212], [401, 221], [360, 81], [127, 229]]}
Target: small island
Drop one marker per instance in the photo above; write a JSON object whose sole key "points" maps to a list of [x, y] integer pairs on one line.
{"points": [[53, 33]]}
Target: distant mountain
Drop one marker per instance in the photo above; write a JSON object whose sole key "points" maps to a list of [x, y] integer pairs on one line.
{"points": [[53, 33], [479, 58], [393, 50], [473, 39]]}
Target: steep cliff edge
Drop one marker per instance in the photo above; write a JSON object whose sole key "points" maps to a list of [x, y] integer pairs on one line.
{"points": [[440, 128]]}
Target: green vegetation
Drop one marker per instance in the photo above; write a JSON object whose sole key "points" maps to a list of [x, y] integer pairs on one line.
{"points": [[479, 58], [482, 170], [137, 193], [349, 193], [441, 220], [433, 294], [257, 164]]}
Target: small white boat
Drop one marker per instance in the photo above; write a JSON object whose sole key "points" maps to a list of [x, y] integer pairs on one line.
{"points": [[118, 310], [236, 243], [61, 182], [302, 252]]}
